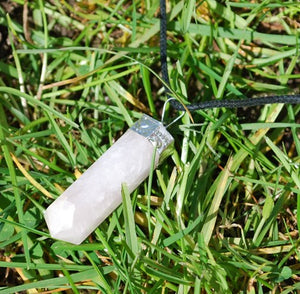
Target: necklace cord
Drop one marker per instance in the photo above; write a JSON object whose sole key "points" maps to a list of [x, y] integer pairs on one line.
{"points": [[228, 103]]}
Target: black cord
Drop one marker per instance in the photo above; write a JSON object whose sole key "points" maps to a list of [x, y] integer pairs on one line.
{"points": [[234, 103]]}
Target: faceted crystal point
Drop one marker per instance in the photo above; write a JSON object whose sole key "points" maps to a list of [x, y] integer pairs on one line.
{"points": [[97, 193]]}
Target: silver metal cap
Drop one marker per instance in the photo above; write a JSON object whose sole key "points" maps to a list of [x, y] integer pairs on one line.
{"points": [[156, 133]]}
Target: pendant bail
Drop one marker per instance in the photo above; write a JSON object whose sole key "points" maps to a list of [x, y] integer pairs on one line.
{"points": [[156, 133]]}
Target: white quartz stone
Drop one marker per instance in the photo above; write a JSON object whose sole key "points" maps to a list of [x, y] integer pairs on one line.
{"points": [[97, 193]]}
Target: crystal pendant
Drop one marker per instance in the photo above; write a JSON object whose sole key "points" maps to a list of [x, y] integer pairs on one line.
{"points": [[97, 193]]}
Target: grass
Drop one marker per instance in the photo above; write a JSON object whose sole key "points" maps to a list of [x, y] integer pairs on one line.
{"points": [[221, 215]]}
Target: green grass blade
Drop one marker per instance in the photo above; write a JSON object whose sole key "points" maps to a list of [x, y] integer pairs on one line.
{"points": [[222, 186], [35, 102], [60, 136], [130, 231]]}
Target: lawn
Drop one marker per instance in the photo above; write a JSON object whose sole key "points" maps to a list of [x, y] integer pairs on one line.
{"points": [[221, 214]]}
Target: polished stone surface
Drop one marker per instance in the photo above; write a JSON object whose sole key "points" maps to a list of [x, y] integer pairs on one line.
{"points": [[97, 193]]}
